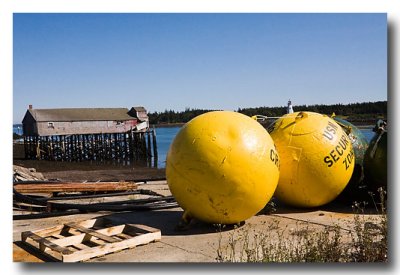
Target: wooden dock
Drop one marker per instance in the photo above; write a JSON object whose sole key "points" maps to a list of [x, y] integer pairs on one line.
{"points": [[120, 147]]}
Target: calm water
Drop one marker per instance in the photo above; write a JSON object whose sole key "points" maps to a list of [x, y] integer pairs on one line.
{"points": [[166, 135], [164, 139]]}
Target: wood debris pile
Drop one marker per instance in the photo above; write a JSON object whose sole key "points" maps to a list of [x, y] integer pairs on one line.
{"points": [[26, 174], [64, 198]]}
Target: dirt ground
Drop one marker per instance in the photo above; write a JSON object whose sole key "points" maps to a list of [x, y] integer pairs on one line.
{"points": [[199, 242]]}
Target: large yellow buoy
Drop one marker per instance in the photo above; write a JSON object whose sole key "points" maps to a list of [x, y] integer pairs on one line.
{"points": [[317, 159], [222, 167]]}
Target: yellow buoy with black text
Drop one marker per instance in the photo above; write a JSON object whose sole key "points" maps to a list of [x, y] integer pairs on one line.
{"points": [[222, 167], [317, 159]]}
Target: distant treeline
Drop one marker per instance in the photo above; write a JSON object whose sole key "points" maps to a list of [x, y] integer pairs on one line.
{"points": [[357, 112]]}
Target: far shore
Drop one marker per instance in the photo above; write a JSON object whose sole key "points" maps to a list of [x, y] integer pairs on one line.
{"points": [[359, 123]]}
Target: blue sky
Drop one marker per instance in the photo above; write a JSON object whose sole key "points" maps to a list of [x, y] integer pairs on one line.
{"points": [[213, 61]]}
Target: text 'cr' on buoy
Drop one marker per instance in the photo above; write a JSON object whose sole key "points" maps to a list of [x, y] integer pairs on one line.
{"points": [[222, 167], [317, 159]]}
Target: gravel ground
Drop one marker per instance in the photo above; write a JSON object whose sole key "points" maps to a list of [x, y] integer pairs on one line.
{"points": [[199, 243]]}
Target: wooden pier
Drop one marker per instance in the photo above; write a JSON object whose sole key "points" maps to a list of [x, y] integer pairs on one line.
{"points": [[125, 147]]}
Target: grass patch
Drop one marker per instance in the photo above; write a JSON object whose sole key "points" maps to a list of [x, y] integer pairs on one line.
{"points": [[364, 241]]}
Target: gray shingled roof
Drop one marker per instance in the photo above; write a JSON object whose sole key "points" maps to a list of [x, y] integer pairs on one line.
{"points": [[81, 114], [139, 109]]}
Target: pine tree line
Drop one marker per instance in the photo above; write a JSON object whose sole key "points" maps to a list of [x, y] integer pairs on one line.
{"points": [[357, 112]]}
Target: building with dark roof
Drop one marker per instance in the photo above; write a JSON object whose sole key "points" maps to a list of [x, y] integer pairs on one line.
{"points": [[80, 121]]}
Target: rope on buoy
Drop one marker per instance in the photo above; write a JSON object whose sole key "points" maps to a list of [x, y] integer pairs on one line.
{"points": [[264, 118]]}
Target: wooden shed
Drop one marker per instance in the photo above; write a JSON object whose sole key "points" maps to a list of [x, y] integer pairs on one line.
{"points": [[99, 134], [141, 114], [70, 121]]}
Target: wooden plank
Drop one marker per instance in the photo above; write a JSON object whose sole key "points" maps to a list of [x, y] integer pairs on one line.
{"points": [[123, 236], [92, 232], [142, 227], [44, 243], [74, 187], [24, 254], [90, 223], [58, 229], [49, 231], [97, 242], [80, 246], [70, 240], [57, 236]]}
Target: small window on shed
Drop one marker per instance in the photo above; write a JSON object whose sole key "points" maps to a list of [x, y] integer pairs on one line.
{"points": [[50, 125], [120, 123]]}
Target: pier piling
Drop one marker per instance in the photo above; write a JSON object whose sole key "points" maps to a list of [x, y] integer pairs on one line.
{"points": [[120, 147]]}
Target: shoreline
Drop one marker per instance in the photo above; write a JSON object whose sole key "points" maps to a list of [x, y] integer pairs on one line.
{"points": [[168, 125], [361, 124], [87, 170]]}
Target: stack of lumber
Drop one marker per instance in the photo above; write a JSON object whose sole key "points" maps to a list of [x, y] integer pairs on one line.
{"points": [[53, 187]]}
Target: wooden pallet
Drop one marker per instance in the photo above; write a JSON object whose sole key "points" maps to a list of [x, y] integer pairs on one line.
{"points": [[79, 241]]}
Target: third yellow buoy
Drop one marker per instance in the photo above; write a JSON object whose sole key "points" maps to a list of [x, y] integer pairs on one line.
{"points": [[317, 159]]}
